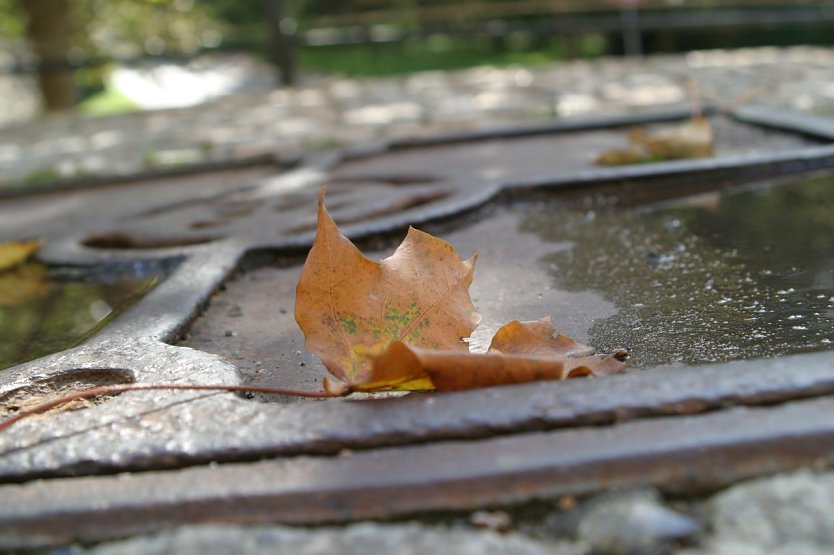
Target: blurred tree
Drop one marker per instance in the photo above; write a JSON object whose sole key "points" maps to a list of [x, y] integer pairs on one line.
{"points": [[281, 42], [48, 30], [63, 34]]}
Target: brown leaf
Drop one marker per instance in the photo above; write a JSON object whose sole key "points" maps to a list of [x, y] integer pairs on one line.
{"points": [[529, 351], [351, 308], [15, 253], [691, 139], [536, 338]]}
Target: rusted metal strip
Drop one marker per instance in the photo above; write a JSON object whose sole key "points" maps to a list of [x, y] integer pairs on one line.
{"points": [[250, 430], [692, 452], [812, 125]]}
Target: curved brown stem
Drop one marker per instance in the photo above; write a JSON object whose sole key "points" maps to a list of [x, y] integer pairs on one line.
{"points": [[111, 389]]}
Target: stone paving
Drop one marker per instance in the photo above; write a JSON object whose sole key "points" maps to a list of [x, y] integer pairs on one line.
{"points": [[329, 111], [784, 515], [318, 462]]}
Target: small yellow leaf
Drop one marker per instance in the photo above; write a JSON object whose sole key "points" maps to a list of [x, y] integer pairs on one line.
{"points": [[691, 139], [15, 253]]}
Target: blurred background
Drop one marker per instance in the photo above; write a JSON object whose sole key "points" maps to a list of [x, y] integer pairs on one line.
{"points": [[111, 56], [217, 92]]}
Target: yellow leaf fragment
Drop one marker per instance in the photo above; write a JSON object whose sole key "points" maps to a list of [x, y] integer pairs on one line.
{"points": [[15, 253]]}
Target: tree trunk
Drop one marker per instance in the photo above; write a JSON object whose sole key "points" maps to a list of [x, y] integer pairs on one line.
{"points": [[48, 31], [281, 41]]}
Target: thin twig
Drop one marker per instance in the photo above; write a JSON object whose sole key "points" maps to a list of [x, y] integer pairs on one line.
{"points": [[112, 389]]}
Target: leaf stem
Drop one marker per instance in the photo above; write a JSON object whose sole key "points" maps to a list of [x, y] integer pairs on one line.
{"points": [[112, 389]]}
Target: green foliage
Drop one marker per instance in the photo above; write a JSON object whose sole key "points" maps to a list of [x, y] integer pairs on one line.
{"points": [[236, 12], [107, 102], [11, 20], [42, 175], [408, 57]]}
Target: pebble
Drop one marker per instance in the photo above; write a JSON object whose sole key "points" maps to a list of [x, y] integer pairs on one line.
{"points": [[633, 523], [789, 514]]}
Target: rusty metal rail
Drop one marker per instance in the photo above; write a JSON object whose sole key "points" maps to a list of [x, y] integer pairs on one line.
{"points": [[724, 446]]}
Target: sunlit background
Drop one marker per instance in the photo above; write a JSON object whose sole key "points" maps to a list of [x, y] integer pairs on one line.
{"points": [[114, 56]]}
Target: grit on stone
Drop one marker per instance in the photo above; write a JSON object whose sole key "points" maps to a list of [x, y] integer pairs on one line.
{"points": [[360, 539]]}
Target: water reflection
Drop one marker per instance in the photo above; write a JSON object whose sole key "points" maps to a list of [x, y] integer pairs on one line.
{"points": [[45, 310], [710, 278]]}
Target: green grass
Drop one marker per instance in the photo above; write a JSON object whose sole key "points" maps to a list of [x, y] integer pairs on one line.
{"points": [[439, 54], [107, 102]]}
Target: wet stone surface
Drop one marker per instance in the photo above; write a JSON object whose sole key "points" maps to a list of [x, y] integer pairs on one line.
{"points": [[709, 278]]}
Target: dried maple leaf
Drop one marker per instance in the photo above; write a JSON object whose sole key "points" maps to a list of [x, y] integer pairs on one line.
{"points": [[399, 324], [691, 139], [15, 253], [351, 308]]}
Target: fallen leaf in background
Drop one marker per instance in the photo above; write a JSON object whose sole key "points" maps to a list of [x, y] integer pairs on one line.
{"points": [[22, 284], [691, 139], [15, 253], [400, 324], [351, 308]]}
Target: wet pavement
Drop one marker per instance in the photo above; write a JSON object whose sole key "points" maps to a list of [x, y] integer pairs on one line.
{"points": [[716, 273]]}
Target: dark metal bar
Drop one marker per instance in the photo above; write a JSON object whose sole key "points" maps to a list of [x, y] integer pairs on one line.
{"points": [[684, 454]]}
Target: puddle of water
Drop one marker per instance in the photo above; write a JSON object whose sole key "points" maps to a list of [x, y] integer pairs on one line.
{"points": [[708, 278], [45, 310]]}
